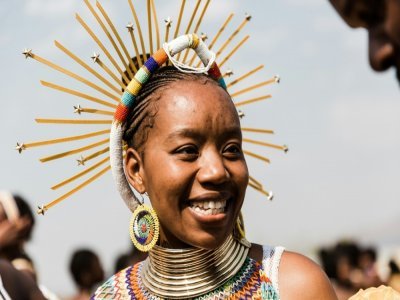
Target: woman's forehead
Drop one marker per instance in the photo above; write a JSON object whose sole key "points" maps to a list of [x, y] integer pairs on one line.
{"points": [[194, 97], [194, 104]]}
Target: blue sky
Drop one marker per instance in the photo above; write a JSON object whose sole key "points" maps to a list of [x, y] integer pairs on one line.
{"points": [[339, 118]]}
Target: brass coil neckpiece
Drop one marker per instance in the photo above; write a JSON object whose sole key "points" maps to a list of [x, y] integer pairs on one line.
{"points": [[187, 273]]}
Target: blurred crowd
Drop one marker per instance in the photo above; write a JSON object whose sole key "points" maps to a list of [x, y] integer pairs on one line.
{"points": [[18, 276], [351, 267]]}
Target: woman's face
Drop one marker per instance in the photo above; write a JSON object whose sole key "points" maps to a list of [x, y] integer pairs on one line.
{"points": [[193, 167]]}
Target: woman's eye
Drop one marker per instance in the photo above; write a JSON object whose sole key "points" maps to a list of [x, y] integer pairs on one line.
{"points": [[233, 150], [188, 152]]}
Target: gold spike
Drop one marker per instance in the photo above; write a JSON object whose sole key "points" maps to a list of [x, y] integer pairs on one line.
{"points": [[262, 191], [135, 46], [232, 83], [102, 47], [80, 174], [153, 6], [168, 23], [75, 76], [74, 151], [96, 111], [233, 51], [196, 29], [255, 182], [95, 154], [231, 37], [44, 208], [149, 26], [260, 157], [284, 147], [83, 64], [78, 94], [253, 87], [245, 102], [220, 31], [114, 30], [96, 59], [69, 121], [189, 26], [66, 139], [110, 38], [258, 130], [138, 28], [179, 18]]}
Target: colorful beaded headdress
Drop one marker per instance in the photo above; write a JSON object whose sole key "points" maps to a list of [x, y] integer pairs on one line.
{"points": [[118, 103]]}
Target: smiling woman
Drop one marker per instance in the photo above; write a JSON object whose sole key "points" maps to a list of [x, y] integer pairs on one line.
{"points": [[176, 138], [185, 152]]}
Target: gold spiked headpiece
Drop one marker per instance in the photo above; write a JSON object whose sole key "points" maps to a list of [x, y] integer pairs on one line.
{"points": [[113, 73]]}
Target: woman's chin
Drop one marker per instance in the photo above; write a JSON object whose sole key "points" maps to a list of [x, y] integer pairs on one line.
{"points": [[207, 239]]}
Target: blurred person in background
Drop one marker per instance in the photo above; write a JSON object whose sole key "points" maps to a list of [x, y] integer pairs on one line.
{"points": [[381, 18], [350, 268], [16, 227], [394, 277], [129, 258], [87, 272], [17, 285]]}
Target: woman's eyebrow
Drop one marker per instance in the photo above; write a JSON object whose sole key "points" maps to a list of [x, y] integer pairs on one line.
{"points": [[183, 133], [233, 131]]}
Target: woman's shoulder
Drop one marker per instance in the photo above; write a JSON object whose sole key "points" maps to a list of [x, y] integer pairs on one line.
{"points": [[299, 274]]}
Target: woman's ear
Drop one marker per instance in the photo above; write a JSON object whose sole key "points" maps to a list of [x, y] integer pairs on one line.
{"points": [[134, 170]]}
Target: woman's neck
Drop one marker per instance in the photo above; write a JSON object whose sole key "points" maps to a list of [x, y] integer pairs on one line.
{"points": [[191, 272]]}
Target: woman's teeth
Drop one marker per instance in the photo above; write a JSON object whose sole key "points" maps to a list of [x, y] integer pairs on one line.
{"points": [[208, 207]]}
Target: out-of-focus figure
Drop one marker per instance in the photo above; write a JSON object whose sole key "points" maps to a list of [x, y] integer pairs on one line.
{"points": [[130, 258], [16, 227], [17, 285], [86, 271], [394, 277], [350, 268], [381, 18]]}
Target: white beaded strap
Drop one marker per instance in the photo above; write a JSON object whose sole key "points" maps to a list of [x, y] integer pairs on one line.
{"points": [[117, 170], [271, 260], [183, 42]]}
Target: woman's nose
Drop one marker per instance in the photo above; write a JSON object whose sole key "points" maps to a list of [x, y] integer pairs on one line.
{"points": [[212, 169], [381, 50]]}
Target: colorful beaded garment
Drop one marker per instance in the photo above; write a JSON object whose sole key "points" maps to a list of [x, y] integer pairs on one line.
{"points": [[250, 282]]}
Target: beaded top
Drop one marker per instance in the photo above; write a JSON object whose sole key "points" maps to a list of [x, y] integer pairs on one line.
{"points": [[250, 282]]}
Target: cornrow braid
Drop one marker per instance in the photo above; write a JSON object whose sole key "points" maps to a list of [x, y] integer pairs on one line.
{"points": [[141, 118]]}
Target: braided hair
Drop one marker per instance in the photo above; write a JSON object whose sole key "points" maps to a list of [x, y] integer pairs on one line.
{"points": [[141, 118]]}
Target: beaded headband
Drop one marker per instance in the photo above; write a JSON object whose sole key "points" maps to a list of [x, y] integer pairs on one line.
{"points": [[114, 78]]}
